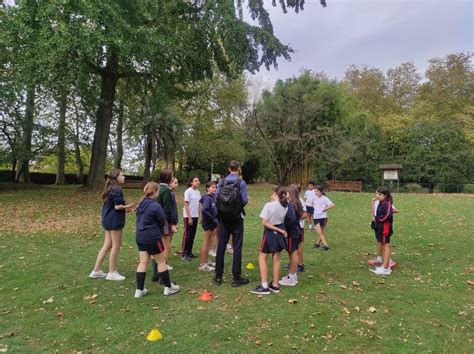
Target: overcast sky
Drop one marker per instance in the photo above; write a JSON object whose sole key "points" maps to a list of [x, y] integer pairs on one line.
{"points": [[379, 33]]}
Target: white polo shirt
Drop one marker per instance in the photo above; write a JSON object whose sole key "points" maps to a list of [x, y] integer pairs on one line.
{"points": [[274, 213], [192, 196]]}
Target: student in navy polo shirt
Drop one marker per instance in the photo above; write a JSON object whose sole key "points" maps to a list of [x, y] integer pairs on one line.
{"points": [[149, 237], [209, 224], [113, 221], [231, 223]]}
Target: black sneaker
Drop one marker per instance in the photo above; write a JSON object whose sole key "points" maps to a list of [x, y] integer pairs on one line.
{"points": [[325, 248], [274, 289], [316, 245], [239, 281], [300, 268], [186, 258], [192, 255], [260, 290], [218, 280], [155, 278]]}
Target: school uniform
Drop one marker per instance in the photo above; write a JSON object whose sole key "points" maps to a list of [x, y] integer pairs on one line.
{"points": [[113, 219], [309, 196], [302, 221], [209, 212], [383, 222], [165, 199], [292, 226], [149, 225], [319, 216], [273, 241], [192, 196]]}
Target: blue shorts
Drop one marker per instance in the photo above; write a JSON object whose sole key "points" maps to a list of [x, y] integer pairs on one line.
{"points": [[273, 241], [309, 210], [152, 248]]}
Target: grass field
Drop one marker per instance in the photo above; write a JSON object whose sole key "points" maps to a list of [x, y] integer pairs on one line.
{"points": [[49, 239]]}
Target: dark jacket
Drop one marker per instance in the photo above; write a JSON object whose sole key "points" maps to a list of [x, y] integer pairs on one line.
{"points": [[209, 212], [384, 212], [150, 221], [165, 199], [292, 222], [113, 219], [175, 209]]}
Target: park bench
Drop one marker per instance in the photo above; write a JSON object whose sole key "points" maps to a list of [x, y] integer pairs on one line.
{"points": [[346, 186], [134, 184]]}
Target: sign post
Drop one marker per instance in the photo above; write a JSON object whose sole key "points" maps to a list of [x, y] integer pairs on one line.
{"points": [[391, 173]]}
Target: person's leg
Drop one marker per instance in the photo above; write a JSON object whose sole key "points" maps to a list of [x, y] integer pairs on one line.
{"points": [[320, 233], [116, 236], [160, 259], [300, 254], [103, 251], [222, 239], [386, 255], [213, 245], [185, 236], [167, 243], [293, 261], [276, 268], [262, 266], [379, 249], [141, 269], [237, 243], [205, 247], [192, 235]]}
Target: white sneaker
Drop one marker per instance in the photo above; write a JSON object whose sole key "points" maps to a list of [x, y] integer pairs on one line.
{"points": [[97, 275], [212, 264], [382, 271], [212, 253], [206, 267], [287, 281], [114, 276], [169, 267], [139, 293], [173, 289]]}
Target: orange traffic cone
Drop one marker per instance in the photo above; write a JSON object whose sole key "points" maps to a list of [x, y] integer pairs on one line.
{"points": [[205, 296]]}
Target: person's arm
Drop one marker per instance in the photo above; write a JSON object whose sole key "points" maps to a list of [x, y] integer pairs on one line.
{"points": [[269, 226], [119, 202], [186, 207], [167, 205], [386, 213], [329, 205], [243, 193]]}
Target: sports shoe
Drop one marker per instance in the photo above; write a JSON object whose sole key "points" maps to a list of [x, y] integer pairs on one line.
{"points": [[186, 258], [173, 289], [239, 281], [192, 255], [325, 248], [218, 280], [115, 276], [139, 293], [212, 253], [300, 268], [212, 264], [206, 267], [260, 290], [169, 267], [229, 249], [287, 281], [274, 289], [97, 275], [316, 245], [382, 271], [378, 260]]}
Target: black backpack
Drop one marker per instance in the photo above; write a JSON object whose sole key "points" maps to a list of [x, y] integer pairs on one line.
{"points": [[229, 202]]}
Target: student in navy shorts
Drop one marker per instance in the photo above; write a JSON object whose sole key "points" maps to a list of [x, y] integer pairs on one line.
{"points": [[113, 221], [382, 224], [292, 225], [321, 205], [149, 238], [209, 224], [274, 240]]}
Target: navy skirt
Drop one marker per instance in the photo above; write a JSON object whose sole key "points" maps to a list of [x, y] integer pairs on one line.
{"points": [[273, 241]]}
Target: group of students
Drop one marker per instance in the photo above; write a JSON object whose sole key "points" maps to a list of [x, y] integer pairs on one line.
{"points": [[283, 221]]}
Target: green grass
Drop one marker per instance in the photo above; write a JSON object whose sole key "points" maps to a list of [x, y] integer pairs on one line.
{"points": [[49, 239]]}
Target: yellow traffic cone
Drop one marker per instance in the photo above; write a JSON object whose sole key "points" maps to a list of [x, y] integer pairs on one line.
{"points": [[250, 266], [154, 335]]}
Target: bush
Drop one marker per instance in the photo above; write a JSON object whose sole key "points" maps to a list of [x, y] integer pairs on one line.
{"points": [[202, 175], [468, 188], [414, 188], [182, 176], [155, 176], [449, 188]]}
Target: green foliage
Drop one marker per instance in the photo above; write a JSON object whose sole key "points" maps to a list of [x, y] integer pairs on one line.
{"points": [[201, 174]]}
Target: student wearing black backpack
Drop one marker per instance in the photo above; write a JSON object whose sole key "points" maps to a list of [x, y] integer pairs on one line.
{"points": [[231, 200]]}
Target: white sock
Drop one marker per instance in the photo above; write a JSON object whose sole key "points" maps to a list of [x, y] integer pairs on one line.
{"points": [[265, 284]]}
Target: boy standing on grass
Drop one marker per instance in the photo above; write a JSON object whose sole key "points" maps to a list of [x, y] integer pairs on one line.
{"points": [[309, 196]]}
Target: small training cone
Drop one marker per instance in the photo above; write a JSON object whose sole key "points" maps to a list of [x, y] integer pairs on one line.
{"points": [[154, 335], [250, 266], [205, 296]]}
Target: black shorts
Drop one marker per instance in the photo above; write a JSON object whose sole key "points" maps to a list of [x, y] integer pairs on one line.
{"points": [[273, 241], [383, 231], [322, 222], [152, 248], [293, 244], [309, 210]]}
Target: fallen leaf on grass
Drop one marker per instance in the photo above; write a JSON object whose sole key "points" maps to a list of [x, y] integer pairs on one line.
{"points": [[200, 308], [386, 311], [292, 301], [312, 325], [470, 282], [90, 297], [50, 300], [60, 314], [191, 291], [372, 309], [357, 308], [355, 283], [346, 311], [156, 308], [359, 290], [7, 335], [343, 286], [3, 348]]}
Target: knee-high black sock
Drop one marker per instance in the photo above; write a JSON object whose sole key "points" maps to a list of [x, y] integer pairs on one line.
{"points": [[141, 280], [165, 276], [154, 267]]}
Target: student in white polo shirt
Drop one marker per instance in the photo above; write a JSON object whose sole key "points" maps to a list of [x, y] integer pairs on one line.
{"points": [[192, 196], [321, 205]]}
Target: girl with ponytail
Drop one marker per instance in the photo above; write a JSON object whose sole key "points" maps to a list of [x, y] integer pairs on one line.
{"points": [[113, 221]]}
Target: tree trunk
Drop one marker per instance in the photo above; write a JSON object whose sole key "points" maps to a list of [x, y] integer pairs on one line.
{"points": [[148, 153], [119, 134], [109, 78], [77, 155], [61, 148], [23, 163]]}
